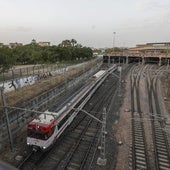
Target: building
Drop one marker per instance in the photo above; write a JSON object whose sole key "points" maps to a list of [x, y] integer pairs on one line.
{"points": [[13, 45], [152, 47], [44, 44]]}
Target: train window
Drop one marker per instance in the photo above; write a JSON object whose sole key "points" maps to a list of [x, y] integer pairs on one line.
{"points": [[31, 133], [49, 134], [42, 136], [37, 135]]}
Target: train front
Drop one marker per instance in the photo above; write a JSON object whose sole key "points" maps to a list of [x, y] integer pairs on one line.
{"points": [[41, 132]]}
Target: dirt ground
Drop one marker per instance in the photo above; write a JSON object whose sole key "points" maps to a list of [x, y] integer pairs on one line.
{"points": [[123, 130]]}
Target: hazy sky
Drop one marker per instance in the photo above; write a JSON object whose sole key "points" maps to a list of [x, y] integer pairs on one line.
{"points": [[90, 22]]}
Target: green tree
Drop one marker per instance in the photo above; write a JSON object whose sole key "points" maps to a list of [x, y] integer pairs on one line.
{"points": [[6, 59], [73, 42]]}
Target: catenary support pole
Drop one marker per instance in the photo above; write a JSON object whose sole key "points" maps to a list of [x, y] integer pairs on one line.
{"points": [[7, 118], [102, 159]]}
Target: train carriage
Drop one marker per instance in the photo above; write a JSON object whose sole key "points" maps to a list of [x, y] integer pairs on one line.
{"points": [[48, 126]]}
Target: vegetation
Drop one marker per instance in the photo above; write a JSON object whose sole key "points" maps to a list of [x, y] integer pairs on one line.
{"points": [[6, 59], [67, 50]]}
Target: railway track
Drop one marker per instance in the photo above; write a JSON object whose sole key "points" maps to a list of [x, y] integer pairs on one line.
{"points": [[160, 140], [79, 153], [159, 155], [87, 146], [138, 152], [83, 140]]}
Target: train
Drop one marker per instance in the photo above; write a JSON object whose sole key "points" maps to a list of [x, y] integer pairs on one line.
{"points": [[45, 129]]}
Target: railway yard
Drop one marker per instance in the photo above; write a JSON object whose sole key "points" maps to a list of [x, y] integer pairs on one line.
{"points": [[121, 121]]}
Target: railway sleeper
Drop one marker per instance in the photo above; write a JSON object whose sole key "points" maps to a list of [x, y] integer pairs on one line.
{"points": [[140, 140], [140, 162], [69, 142], [161, 144], [73, 165], [162, 149], [141, 158], [53, 157], [140, 154], [87, 138], [83, 148], [164, 160], [161, 138], [162, 152], [159, 134], [137, 126], [158, 129], [164, 165], [141, 143], [137, 129], [139, 135], [90, 133], [140, 151], [163, 168], [140, 146], [139, 167], [164, 156]]}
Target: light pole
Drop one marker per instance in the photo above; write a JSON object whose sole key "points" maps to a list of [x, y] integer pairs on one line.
{"points": [[114, 33]]}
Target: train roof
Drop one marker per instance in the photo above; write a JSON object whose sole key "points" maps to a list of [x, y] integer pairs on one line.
{"points": [[99, 73], [45, 118]]}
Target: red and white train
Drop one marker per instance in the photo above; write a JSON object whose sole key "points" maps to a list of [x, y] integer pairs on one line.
{"points": [[47, 127]]}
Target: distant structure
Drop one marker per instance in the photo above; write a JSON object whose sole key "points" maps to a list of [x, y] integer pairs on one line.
{"points": [[1, 44], [13, 45], [44, 44], [33, 41], [152, 47]]}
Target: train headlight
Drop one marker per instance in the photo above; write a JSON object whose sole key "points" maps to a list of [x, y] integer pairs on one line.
{"points": [[44, 147], [28, 143]]}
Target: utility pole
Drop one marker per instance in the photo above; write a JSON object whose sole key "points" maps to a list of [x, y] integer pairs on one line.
{"points": [[7, 118]]}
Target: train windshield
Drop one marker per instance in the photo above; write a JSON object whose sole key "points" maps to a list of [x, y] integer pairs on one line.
{"points": [[37, 135], [33, 133]]}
